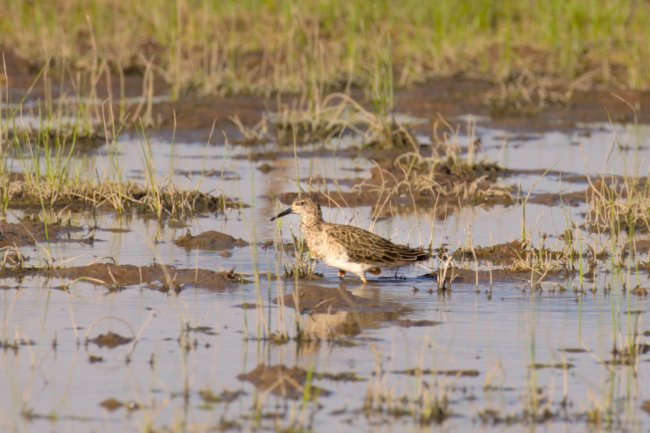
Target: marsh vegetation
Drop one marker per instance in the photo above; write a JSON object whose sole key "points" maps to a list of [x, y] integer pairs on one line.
{"points": [[144, 147]]}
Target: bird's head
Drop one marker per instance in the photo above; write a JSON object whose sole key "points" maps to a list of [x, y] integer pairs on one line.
{"points": [[308, 209]]}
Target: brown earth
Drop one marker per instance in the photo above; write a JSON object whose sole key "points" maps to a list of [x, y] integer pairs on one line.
{"points": [[468, 276], [427, 372], [116, 277], [646, 406], [194, 117], [408, 323], [30, 232], [448, 97], [226, 396], [385, 198], [557, 366], [209, 241], [508, 254], [112, 404], [110, 340], [133, 196]]}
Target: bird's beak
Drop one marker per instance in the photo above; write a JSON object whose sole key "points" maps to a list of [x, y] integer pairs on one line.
{"points": [[281, 214]]}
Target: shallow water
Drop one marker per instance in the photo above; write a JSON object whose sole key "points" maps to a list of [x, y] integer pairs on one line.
{"points": [[493, 334]]}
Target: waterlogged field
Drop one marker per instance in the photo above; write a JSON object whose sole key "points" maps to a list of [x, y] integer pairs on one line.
{"points": [[154, 312], [143, 287]]}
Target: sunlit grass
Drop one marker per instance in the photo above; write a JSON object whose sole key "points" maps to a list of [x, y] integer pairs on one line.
{"points": [[229, 46]]}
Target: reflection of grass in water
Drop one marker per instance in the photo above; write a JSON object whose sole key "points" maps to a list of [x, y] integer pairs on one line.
{"points": [[426, 403]]}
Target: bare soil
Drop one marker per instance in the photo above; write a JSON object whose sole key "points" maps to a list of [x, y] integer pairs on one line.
{"points": [[557, 366], [408, 323], [110, 340], [430, 372], [193, 118], [444, 187], [30, 232], [507, 254], [158, 277], [133, 196], [209, 241]]}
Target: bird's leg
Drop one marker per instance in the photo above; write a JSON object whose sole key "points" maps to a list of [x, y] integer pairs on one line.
{"points": [[362, 275], [341, 274]]}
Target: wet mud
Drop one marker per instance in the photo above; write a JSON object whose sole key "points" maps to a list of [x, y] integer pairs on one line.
{"points": [[209, 241], [429, 372], [110, 340], [408, 323], [120, 197], [392, 188], [225, 396], [509, 311], [116, 277], [112, 405], [29, 232], [513, 254]]}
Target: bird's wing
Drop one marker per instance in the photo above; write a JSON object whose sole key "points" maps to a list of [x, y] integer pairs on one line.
{"points": [[366, 247]]}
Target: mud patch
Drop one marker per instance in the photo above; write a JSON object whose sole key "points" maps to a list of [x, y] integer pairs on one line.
{"points": [[16, 344], [463, 275], [514, 254], [408, 323], [223, 174], [284, 381], [430, 372], [29, 232], [628, 355], [646, 407], [414, 182], [556, 366], [112, 405], [165, 200], [209, 241], [115, 277], [573, 350], [110, 340], [247, 306], [226, 396], [575, 198]]}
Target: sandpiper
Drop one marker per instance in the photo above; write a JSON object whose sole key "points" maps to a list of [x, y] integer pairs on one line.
{"points": [[348, 248]]}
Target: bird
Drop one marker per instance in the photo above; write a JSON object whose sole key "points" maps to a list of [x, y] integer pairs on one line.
{"points": [[348, 248]]}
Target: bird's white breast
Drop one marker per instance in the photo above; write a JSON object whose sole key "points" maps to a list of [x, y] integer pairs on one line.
{"points": [[330, 252], [341, 261]]}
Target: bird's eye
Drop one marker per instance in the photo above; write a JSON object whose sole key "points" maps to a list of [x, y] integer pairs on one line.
{"points": [[300, 203]]}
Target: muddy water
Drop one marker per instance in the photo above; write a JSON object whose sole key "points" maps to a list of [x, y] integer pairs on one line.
{"points": [[494, 357]]}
